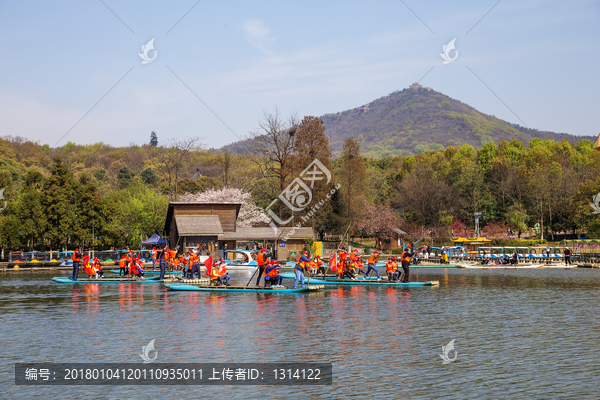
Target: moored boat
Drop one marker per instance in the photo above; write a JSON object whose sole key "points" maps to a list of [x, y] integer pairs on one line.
{"points": [[61, 279], [52, 263], [16, 264], [239, 289]]}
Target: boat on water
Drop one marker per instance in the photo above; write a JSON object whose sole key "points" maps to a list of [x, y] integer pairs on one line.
{"points": [[333, 280], [239, 289], [61, 279], [242, 260]]}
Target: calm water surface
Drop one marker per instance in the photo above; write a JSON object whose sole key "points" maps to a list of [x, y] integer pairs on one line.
{"points": [[519, 334]]}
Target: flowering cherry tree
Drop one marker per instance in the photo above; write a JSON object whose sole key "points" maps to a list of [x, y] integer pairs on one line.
{"points": [[250, 214], [380, 220]]}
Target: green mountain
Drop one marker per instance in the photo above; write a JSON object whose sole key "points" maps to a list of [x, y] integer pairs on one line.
{"points": [[416, 120], [419, 119]]}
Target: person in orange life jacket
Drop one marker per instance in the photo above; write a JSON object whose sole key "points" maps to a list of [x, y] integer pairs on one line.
{"points": [[371, 265], [195, 260], [98, 268], [76, 260], [405, 260], [392, 269], [135, 268], [223, 275], [261, 260], [272, 274], [320, 267], [301, 265], [358, 262], [122, 265], [161, 255], [312, 267], [129, 259]]}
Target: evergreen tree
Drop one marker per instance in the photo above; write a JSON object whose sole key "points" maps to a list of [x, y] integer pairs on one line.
{"points": [[58, 203], [30, 211], [153, 139]]}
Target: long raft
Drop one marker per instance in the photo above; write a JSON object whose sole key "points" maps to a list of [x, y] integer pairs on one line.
{"points": [[333, 280], [60, 279], [247, 289]]}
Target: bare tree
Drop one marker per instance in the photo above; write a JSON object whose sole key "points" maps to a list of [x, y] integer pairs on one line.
{"points": [[271, 147], [173, 157]]}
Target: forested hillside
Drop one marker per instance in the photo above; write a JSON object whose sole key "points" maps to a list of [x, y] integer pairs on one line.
{"points": [[114, 197], [413, 121]]}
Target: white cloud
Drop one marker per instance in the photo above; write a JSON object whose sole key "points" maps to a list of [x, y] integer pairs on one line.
{"points": [[258, 34]]}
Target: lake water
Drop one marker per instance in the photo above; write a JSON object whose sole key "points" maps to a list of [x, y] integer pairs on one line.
{"points": [[518, 334]]}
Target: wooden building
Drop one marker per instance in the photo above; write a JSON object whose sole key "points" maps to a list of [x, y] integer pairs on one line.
{"points": [[198, 225], [391, 241], [209, 226]]}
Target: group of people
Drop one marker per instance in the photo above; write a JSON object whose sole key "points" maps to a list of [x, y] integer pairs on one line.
{"points": [[93, 269], [270, 268], [131, 265], [350, 265]]}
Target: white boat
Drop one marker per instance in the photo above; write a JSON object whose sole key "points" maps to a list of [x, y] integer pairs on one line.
{"points": [[242, 260]]}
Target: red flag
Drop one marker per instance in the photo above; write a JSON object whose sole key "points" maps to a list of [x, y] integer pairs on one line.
{"points": [[333, 263], [208, 264]]}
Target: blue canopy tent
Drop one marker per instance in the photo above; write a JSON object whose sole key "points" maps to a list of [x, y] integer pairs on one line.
{"points": [[154, 239]]}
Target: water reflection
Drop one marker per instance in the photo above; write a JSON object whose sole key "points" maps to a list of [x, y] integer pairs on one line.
{"points": [[383, 341]]}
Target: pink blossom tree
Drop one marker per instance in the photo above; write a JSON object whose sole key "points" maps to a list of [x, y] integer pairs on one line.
{"points": [[380, 220], [250, 213]]}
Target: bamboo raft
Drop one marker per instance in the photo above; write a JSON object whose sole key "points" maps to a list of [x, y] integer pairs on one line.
{"points": [[333, 280], [60, 279], [239, 289], [116, 271], [194, 281]]}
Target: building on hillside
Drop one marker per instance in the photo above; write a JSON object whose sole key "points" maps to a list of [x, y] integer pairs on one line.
{"points": [[417, 85], [597, 143], [208, 226]]}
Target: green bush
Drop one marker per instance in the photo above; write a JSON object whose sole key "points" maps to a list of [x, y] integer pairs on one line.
{"points": [[397, 251]]}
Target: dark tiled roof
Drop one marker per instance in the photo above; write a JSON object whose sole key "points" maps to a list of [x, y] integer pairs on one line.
{"points": [[198, 225]]}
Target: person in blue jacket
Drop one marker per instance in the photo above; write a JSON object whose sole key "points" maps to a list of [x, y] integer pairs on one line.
{"points": [[301, 265]]}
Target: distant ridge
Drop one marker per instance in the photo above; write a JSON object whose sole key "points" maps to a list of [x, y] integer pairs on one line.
{"points": [[416, 120]]}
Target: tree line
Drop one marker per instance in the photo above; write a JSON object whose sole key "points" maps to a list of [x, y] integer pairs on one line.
{"points": [[115, 197]]}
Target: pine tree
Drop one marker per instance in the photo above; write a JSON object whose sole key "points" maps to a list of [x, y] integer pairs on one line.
{"points": [[153, 139], [58, 202]]}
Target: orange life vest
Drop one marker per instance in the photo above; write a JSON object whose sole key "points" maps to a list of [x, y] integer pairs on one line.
{"points": [[122, 263], [391, 266], [405, 256], [373, 259], [214, 273], [76, 258], [222, 270], [260, 260], [154, 254], [173, 253], [273, 272]]}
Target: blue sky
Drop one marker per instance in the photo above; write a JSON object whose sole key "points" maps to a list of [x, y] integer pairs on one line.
{"points": [[539, 60]]}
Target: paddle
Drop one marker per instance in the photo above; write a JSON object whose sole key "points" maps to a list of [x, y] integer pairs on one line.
{"points": [[252, 277]]}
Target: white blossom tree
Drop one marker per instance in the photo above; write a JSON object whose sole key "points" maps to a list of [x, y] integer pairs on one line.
{"points": [[250, 214]]}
